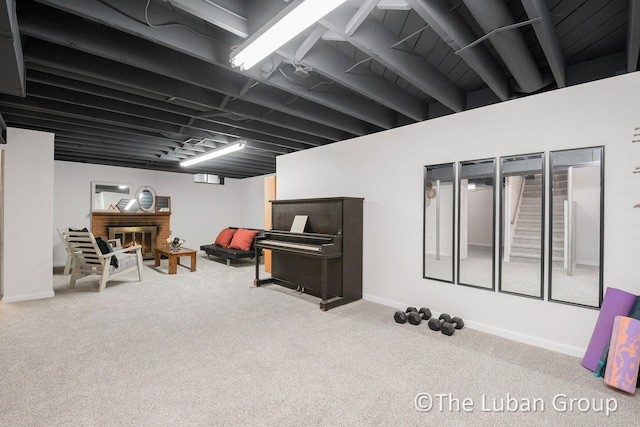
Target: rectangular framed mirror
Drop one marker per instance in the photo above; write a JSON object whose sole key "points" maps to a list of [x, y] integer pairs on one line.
{"points": [[439, 211], [521, 265], [163, 204], [105, 196], [577, 232], [476, 223]]}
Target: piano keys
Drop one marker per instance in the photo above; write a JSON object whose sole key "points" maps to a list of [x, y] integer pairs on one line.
{"points": [[326, 259], [321, 244]]}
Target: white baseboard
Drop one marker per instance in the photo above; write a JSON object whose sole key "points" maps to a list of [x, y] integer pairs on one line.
{"points": [[504, 333], [28, 297]]}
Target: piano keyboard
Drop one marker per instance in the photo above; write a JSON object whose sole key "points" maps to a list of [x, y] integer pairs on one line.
{"points": [[284, 244]]}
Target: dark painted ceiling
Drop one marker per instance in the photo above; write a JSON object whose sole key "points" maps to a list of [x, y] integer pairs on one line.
{"points": [[146, 83]]}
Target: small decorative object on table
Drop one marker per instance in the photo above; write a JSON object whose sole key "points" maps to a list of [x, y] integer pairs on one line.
{"points": [[175, 243]]}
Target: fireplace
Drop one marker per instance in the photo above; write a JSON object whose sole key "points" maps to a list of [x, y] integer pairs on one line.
{"points": [[131, 236], [101, 222]]}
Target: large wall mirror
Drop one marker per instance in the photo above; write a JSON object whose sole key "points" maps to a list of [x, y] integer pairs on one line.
{"points": [[439, 208], [105, 196], [577, 207], [476, 184], [521, 266]]}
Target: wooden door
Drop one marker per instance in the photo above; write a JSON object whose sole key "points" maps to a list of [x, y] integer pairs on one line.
{"points": [[269, 194]]}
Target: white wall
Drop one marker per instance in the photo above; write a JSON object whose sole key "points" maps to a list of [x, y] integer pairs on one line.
{"points": [[387, 170], [28, 213], [198, 211]]}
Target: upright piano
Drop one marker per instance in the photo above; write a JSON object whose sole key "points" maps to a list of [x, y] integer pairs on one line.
{"points": [[325, 260]]}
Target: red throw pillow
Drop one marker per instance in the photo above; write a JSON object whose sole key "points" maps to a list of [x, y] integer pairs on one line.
{"points": [[243, 239], [224, 238]]}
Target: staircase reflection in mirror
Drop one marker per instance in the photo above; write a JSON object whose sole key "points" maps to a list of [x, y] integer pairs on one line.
{"points": [[521, 267], [577, 206], [476, 224], [439, 208]]}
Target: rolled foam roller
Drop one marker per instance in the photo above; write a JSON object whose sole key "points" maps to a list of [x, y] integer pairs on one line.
{"points": [[616, 303], [624, 355]]}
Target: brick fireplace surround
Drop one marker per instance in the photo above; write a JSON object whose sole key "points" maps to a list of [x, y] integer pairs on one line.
{"points": [[101, 221]]}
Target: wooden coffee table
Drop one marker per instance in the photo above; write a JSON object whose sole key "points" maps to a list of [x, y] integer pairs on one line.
{"points": [[174, 258]]}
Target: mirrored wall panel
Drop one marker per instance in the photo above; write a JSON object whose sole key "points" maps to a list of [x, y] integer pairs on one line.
{"points": [[439, 208], [476, 223], [577, 206], [521, 266]]}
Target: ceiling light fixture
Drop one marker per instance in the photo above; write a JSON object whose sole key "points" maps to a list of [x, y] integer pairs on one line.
{"points": [[220, 151], [294, 19]]}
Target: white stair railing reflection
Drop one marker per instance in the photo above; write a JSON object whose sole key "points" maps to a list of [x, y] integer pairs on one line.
{"points": [[438, 219], [569, 226]]}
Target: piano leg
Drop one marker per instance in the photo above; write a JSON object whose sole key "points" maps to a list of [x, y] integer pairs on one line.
{"points": [[323, 282], [257, 281]]}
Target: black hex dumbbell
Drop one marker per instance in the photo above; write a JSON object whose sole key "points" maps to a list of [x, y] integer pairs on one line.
{"points": [[425, 313], [446, 324], [449, 325], [413, 315], [435, 324]]}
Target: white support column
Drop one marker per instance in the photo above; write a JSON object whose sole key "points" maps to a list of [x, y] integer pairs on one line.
{"points": [[27, 267]]}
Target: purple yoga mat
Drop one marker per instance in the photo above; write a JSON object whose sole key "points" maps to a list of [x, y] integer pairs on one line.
{"points": [[624, 355], [616, 303]]}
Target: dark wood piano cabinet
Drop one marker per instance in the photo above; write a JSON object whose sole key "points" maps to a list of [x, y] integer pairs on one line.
{"points": [[326, 259]]}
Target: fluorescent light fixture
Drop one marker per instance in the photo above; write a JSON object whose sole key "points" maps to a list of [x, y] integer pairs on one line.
{"points": [[472, 186], [285, 28], [220, 151]]}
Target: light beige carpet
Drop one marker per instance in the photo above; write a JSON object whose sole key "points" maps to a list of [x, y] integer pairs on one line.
{"points": [[205, 349]]}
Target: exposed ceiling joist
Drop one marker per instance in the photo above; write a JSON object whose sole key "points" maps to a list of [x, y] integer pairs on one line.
{"points": [[450, 26], [548, 39], [121, 77], [375, 40], [225, 14], [90, 130], [633, 37], [12, 75], [146, 83], [310, 41], [493, 15], [182, 68], [393, 5], [194, 48], [334, 65], [358, 18]]}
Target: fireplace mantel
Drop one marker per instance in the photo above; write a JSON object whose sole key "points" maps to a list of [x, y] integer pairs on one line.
{"points": [[101, 221]]}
